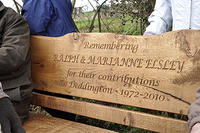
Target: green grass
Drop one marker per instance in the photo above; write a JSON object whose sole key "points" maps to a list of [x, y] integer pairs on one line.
{"points": [[109, 24]]}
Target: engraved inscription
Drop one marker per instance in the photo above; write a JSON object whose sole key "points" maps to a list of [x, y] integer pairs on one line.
{"points": [[66, 58], [127, 90], [82, 74], [173, 65], [128, 46], [156, 64], [97, 89], [128, 79]]}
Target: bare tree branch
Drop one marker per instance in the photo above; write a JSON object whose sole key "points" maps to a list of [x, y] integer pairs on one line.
{"points": [[73, 4], [91, 5], [16, 5], [99, 21], [98, 10]]}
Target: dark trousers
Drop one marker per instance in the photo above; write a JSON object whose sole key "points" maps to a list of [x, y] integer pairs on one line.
{"points": [[22, 107]]}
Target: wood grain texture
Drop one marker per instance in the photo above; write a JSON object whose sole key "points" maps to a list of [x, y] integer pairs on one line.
{"points": [[111, 114], [156, 72], [37, 123]]}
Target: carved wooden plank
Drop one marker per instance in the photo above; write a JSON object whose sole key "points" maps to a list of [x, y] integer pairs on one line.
{"points": [[157, 72], [37, 123], [111, 114]]}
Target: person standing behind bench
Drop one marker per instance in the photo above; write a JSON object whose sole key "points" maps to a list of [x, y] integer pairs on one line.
{"points": [[180, 14], [50, 18], [15, 75]]}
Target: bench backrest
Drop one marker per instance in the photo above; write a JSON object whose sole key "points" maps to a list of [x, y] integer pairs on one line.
{"points": [[153, 72]]}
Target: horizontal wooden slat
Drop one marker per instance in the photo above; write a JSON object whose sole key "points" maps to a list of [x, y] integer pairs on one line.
{"points": [[111, 114], [155, 72], [38, 123]]}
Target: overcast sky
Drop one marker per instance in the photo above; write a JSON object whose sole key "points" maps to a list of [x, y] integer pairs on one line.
{"points": [[79, 3]]}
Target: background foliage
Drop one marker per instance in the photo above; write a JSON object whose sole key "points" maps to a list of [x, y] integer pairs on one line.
{"points": [[119, 16], [116, 16]]}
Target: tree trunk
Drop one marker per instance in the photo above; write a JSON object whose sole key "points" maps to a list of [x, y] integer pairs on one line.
{"points": [[98, 10], [73, 4], [99, 21]]}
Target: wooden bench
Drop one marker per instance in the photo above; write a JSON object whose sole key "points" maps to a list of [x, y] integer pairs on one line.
{"points": [[156, 73]]}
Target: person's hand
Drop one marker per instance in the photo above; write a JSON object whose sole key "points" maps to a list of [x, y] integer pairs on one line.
{"points": [[196, 128], [9, 120], [148, 33]]}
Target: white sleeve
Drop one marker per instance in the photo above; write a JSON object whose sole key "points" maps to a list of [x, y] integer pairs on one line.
{"points": [[161, 18]]}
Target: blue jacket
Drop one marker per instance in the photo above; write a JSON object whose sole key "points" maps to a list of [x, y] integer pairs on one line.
{"points": [[48, 17]]}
